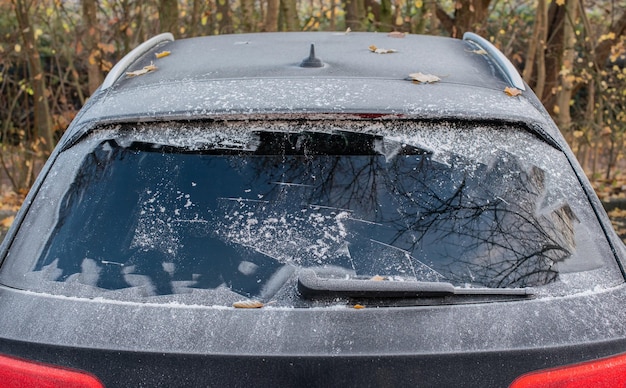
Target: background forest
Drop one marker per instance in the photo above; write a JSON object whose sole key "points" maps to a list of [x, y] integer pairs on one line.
{"points": [[55, 53]]}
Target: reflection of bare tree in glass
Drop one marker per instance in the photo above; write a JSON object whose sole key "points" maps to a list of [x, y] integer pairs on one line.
{"points": [[323, 162], [475, 223], [483, 224]]}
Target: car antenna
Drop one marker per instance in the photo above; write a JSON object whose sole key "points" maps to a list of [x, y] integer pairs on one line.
{"points": [[311, 61]]}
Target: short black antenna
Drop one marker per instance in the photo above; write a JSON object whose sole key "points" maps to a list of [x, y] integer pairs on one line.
{"points": [[312, 61]]}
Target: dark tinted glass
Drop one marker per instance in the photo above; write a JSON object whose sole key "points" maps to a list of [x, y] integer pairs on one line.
{"points": [[231, 218]]}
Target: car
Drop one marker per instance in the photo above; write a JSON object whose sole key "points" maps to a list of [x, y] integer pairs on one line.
{"points": [[313, 209]]}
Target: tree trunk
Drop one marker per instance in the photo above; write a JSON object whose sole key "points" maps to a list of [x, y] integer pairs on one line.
{"points": [[469, 15], [195, 18], [168, 16], [566, 79], [333, 15], [355, 14], [271, 17], [554, 53], [43, 123], [289, 9], [247, 16], [536, 51], [541, 54], [92, 38], [224, 18]]}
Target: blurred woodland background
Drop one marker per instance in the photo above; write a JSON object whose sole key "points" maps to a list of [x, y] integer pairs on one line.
{"points": [[55, 53]]}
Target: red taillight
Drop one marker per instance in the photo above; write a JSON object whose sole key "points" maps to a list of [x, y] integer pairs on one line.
{"points": [[603, 373], [16, 373]]}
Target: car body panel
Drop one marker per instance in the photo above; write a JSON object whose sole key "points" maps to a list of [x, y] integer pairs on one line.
{"points": [[170, 344]]}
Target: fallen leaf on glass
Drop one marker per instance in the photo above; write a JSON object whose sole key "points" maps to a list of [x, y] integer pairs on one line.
{"points": [[377, 278], [377, 50], [146, 69], [396, 34], [162, 54], [512, 91], [248, 304], [424, 78]]}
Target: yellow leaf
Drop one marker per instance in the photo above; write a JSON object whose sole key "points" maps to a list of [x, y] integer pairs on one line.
{"points": [[512, 91], [18, 48], [162, 54], [560, 2], [609, 36], [359, 306], [578, 134]]}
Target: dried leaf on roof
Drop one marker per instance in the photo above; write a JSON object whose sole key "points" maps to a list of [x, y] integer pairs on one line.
{"points": [[512, 91], [396, 34], [146, 69], [424, 78], [478, 51], [162, 54], [377, 50]]}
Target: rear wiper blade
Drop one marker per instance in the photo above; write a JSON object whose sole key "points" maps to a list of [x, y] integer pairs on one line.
{"points": [[311, 286]]}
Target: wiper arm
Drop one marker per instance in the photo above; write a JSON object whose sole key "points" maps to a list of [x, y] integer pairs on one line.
{"points": [[311, 286]]}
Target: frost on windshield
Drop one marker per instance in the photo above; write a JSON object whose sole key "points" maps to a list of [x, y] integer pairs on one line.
{"points": [[410, 216], [167, 217]]}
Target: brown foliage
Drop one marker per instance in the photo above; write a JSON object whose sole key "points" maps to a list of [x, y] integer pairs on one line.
{"points": [[56, 53]]}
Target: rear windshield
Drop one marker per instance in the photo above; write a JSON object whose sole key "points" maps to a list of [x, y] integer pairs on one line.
{"points": [[216, 212]]}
